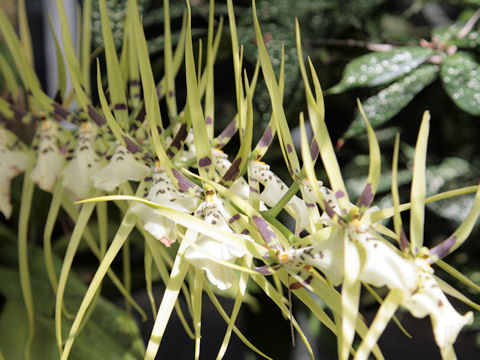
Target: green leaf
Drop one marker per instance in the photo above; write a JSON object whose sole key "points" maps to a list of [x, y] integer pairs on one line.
{"points": [[381, 67], [461, 79], [448, 35], [109, 333], [390, 101]]}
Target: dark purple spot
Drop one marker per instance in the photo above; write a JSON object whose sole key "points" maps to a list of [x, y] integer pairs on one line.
{"points": [[314, 150], [171, 94], [60, 111], [234, 218], [308, 280], [339, 194], [403, 240], [147, 156], [134, 82], [120, 106], [329, 210], [266, 139], [95, 116], [141, 113], [366, 198], [183, 183], [206, 161], [233, 171], [227, 134], [245, 232], [131, 145], [289, 148], [209, 120], [442, 249], [267, 234], [264, 270]]}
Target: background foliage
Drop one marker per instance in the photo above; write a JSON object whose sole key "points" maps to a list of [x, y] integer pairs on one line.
{"points": [[335, 33]]}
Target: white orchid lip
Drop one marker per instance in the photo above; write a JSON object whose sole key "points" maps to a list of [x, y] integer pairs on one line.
{"points": [[220, 276], [82, 164], [49, 157], [429, 299], [163, 192], [12, 163], [122, 167]]}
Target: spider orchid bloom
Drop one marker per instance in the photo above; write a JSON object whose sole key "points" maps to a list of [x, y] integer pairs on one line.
{"points": [[222, 164], [12, 163], [274, 189], [82, 164], [429, 299], [122, 167], [382, 265], [49, 159], [420, 293], [219, 275], [163, 192]]}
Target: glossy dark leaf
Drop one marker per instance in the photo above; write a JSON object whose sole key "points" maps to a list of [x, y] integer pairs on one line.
{"points": [[461, 79], [449, 35], [381, 67], [391, 100]]}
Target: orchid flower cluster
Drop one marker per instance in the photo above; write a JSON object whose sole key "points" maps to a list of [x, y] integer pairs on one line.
{"points": [[217, 212]]}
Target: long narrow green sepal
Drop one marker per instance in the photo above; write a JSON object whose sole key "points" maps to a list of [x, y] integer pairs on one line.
{"points": [[80, 225], [461, 234], [201, 139], [276, 98], [115, 81], [25, 283], [374, 169], [123, 232], [417, 197], [350, 297], [383, 317], [177, 275]]}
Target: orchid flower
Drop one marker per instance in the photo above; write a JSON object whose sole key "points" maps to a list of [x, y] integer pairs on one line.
{"points": [[274, 189], [12, 163], [82, 164], [49, 159], [219, 275], [163, 192], [122, 167], [382, 265]]}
